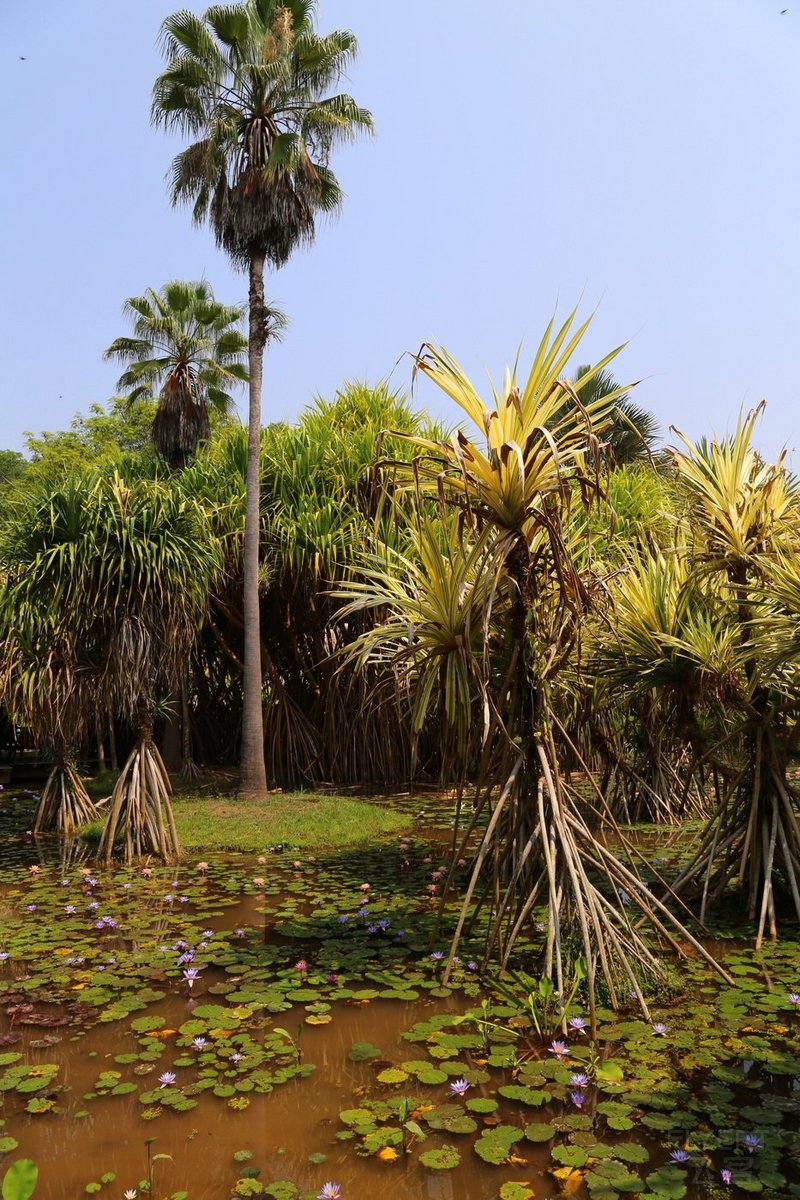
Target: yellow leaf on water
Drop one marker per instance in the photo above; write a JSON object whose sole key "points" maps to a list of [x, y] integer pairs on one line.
{"points": [[571, 1181], [516, 1161], [387, 1154]]}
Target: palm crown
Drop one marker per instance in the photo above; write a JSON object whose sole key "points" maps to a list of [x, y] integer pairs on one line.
{"points": [[187, 351], [249, 80]]}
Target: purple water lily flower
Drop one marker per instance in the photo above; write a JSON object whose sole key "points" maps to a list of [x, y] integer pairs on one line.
{"points": [[190, 975], [659, 1028], [579, 1080], [199, 1043], [330, 1191], [459, 1087], [167, 1079], [70, 909], [679, 1156], [577, 1098], [578, 1024], [726, 1176], [437, 956], [794, 998], [472, 966], [560, 1049], [752, 1142]]}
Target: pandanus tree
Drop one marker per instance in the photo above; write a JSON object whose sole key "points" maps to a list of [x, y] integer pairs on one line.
{"points": [[710, 628], [319, 507], [319, 512], [250, 82], [120, 573], [746, 514], [158, 561], [47, 682], [535, 456], [186, 352]]}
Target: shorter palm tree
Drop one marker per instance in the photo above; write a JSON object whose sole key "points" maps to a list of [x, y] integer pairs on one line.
{"points": [[631, 430], [187, 351]]}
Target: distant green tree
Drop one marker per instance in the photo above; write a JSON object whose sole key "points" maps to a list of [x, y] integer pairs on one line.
{"points": [[12, 465], [111, 434]]}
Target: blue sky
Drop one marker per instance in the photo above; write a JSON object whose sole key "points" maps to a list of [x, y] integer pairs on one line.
{"points": [[640, 159]]}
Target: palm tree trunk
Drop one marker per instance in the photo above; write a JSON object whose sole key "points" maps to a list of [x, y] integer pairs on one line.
{"points": [[252, 771]]}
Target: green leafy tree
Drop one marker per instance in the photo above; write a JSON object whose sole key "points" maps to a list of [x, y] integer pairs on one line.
{"points": [[250, 82], [112, 433], [186, 353], [12, 465]]}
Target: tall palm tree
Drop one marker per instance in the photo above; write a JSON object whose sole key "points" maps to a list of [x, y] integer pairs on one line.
{"points": [[248, 82], [187, 352]]}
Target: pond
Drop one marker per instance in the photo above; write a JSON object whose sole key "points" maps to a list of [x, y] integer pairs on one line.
{"points": [[268, 1024]]}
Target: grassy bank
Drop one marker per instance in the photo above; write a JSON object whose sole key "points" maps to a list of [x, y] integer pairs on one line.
{"points": [[307, 820], [212, 819]]}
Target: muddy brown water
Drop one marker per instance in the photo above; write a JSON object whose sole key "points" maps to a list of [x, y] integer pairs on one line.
{"points": [[281, 1129]]}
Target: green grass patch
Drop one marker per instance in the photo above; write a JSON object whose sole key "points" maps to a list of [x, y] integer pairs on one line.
{"points": [[307, 820], [210, 816]]}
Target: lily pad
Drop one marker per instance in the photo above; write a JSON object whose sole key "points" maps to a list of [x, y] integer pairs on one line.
{"points": [[443, 1159]]}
